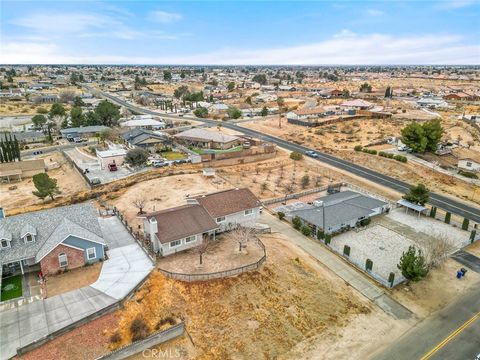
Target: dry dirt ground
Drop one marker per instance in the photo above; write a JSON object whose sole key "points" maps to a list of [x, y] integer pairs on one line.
{"points": [[337, 142], [222, 254], [474, 248], [86, 342], [438, 289], [291, 307], [73, 279], [68, 179], [21, 108]]}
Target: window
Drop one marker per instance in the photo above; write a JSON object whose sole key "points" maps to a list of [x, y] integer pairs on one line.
{"points": [[469, 164], [248, 212], [91, 253], [62, 259], [5, 243], [190, 238], [220, 219], [29, 238], [175, 243]]}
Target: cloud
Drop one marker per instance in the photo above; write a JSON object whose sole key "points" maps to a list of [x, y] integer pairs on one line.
{"points": [[165, 17], [375, 12], [345, 48]]}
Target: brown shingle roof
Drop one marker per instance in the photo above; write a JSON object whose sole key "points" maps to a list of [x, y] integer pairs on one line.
{"points": [[182, 221], [228, 201]]}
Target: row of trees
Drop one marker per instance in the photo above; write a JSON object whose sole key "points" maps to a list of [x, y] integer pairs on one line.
{"points": [[9, 149]]}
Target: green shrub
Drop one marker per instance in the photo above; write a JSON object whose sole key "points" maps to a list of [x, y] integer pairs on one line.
{"points": [[306, 230], [368, 151], [448, 217], [358, 148], [281, 215], [468, 174], [400, 158], [365, 222], [465, 224], [320, 235], [295, 155], [328, 238], [433, 212], [297, 223]]}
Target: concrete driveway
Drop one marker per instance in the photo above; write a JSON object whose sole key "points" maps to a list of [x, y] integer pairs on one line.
{"points": [[125, 268]]}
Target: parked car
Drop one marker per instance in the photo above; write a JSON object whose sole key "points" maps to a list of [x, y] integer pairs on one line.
{"points": [[38, 152], [311, 153], [160, 164], [112, 167]]}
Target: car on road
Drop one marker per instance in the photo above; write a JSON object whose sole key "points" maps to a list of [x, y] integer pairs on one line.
{"points": [[311, 153]]}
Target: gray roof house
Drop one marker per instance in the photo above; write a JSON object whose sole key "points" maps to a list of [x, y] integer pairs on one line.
{"points": [[51, 240], [335, 212], [145, 138]]}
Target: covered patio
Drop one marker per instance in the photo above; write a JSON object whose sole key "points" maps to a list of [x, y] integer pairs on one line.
{"points": [[415, 207]]}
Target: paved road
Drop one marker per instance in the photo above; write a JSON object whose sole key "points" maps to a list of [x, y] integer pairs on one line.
{"points": [[49, 149], [446, 203], [344, 270], [425, 340], [467, 259]]}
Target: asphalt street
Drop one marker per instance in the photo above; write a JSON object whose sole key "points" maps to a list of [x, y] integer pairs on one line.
{"points": [[446, 203]]}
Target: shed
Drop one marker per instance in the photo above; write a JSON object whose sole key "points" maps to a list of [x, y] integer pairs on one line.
{"points": [[409, 205]]}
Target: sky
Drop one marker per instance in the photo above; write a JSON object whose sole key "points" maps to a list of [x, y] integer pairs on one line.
{"points": [[247, 32]]}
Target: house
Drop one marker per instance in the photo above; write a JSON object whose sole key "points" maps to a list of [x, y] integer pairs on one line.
{"points": [[432, 103], [469, 164], [231, 208], [309, 113], [21, 169], [339, 211], [357, 104], [144, 124], [83, 131], [183, 227], [145, 139], [25, 137], [51, 240], [205, 139], [111, 156]]}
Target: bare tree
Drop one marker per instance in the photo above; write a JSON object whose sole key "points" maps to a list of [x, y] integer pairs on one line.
{"points": [[202, 247], [140, 203], [66, 96], [241, 235], [436, 249]]}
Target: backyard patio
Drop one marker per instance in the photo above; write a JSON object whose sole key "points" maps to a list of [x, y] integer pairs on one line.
{"points": [[222, 254]]}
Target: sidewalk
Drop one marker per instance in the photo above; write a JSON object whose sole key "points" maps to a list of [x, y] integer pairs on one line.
{"points": [[354, 278]]}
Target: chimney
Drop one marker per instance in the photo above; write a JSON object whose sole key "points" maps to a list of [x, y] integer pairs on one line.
{"points": [[153, 229], [192, 201]]}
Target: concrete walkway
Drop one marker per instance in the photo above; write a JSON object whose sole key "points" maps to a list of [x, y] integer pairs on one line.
{"points": [[356, 279], [125, 268]]}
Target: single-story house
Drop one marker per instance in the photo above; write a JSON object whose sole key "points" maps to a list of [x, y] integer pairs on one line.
{"points": [[111, 156], [339, 211], [469, 164], [83, 131], [51, 240], [183, 227], [432, 103], [357, 104], [145, 139], [25, 137], [205, 139], [19, 170], [144, 124], [310, 113]]}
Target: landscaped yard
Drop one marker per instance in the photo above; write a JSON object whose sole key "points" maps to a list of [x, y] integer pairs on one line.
{"points": [[173, 155], [11, 287], [214, 151]]}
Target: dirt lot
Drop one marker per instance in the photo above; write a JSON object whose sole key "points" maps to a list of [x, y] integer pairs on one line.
{"points": [[20, 108], [88, 341], [291, 304], [74, 279], [438, 289], [68, 179], [474, 248], [222, 254]]}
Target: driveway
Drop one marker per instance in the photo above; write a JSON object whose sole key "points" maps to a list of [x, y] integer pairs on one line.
{"points": [[126, 267]]}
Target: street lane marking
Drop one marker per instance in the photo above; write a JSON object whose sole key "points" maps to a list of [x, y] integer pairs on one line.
{"points": [[451, 336]]}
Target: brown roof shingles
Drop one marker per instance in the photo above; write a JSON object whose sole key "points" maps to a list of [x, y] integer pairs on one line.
{"points": [[182, 221], [228, 202]]}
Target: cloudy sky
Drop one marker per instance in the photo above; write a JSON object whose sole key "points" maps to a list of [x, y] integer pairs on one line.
{"points": [[249, 32]]}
